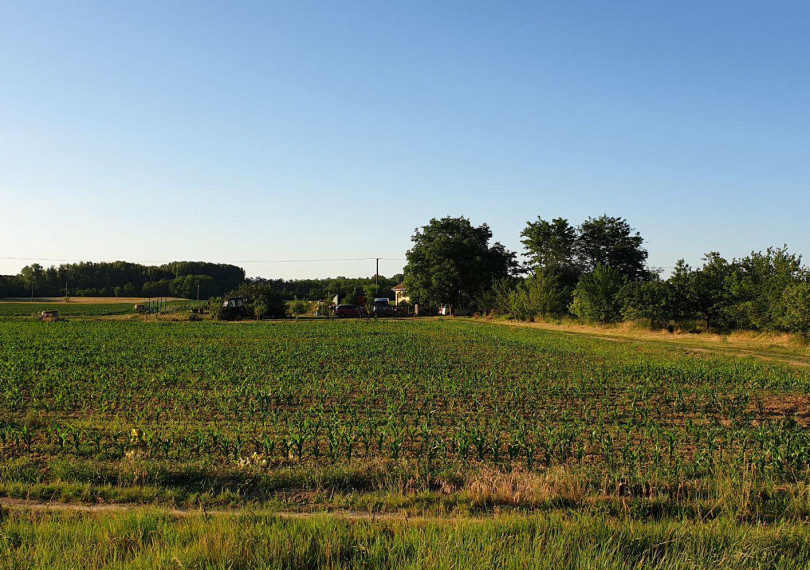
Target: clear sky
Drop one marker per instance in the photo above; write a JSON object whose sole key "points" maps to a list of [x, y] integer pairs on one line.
{"points": [[250, 132]]}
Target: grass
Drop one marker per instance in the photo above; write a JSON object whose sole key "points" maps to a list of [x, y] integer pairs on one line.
{"points": [[793, 349], [155, 539]]}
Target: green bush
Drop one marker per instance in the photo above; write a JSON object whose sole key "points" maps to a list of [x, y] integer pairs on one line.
{"points": [[597, 296], [648, 300], [260, 308], [795, 309], [299, 306], [540, 295]]}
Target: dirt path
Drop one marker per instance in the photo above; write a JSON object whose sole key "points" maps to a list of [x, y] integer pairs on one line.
{"points": [[687, 344], [39, 506]]}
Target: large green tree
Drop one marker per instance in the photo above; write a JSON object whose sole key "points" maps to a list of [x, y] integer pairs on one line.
{"points": [[452, 262], [611, 242], [549, 245], [707, 288], [682, 292], [33, 277], [570, 251]]}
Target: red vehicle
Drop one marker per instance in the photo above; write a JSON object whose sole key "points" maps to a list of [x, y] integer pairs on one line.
{"points": [[342, 311]]}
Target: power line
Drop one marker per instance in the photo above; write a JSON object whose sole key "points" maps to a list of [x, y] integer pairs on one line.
{"points": [[318, 260], [33, 258], [236, 261]]}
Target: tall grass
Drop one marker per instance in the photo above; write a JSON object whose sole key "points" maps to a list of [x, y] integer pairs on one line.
{"points": [[154, 539]]}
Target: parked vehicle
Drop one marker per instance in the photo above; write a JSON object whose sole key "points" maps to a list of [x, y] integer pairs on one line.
{"points": [[236, 304], [382, 306], [342, 311]]}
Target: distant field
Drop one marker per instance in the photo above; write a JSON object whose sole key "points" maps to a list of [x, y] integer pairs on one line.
{"points": [[83, 307], [661, 451], [82, 300]]}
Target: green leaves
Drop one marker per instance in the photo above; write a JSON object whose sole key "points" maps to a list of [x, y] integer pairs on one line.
{"points": [[452, 263]]}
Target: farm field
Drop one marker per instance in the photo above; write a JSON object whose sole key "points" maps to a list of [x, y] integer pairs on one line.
{"points": [[81, 300], [77, 306], [632, 451]]}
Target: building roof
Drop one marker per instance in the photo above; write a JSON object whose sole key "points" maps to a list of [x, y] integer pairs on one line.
{"points": [[400, 287]]}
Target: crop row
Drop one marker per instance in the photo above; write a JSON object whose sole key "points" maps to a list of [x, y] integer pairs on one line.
{"points": [[436, 391]]}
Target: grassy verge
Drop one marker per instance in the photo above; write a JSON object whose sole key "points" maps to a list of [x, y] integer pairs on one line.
{"points": [[153, 538], [412, 488], [786, 348]]}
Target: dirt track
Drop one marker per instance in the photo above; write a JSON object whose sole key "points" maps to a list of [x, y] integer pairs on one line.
{"points": [[701, 344], [29, 505]]}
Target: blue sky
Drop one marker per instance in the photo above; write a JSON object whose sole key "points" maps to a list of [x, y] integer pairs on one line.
{"points": [[253, 132]]}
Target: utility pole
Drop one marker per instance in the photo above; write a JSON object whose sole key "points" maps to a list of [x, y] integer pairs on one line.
{"points": [[377, 278], [66, 290]]}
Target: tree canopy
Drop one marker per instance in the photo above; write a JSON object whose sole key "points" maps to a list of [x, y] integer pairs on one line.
{"points": [[452, 262], [611, 242], [606, 240], [122, 278], [550, 245]]}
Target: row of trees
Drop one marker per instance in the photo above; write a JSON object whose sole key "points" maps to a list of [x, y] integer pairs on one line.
{"points": [[350, 288], [177, 279], [597, 271], [453, 263], [123, 279]]}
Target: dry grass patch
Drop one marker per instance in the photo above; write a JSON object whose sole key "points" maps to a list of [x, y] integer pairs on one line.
{"points": [[525, 488], [786, 348]]}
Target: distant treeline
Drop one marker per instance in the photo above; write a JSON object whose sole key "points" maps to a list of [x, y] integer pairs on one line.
{"points": [[123, 279], [596, 271], [327, 288], [175, 279]]}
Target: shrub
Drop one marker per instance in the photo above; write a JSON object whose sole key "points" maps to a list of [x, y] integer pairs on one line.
{"points": [[260, 308], [540, 295], [597, 295], [649, 300], [795, 309], [299, 306], [497, 298]]}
